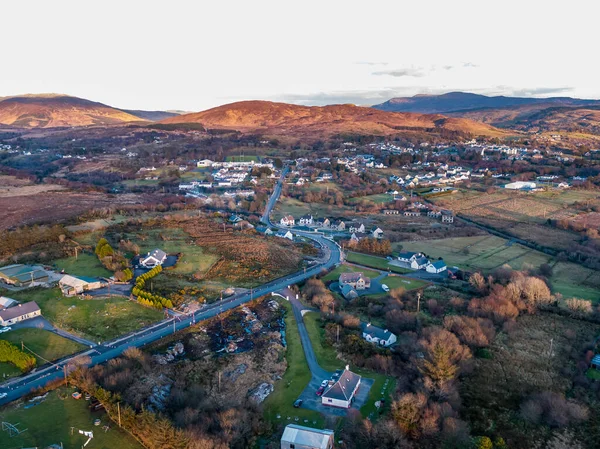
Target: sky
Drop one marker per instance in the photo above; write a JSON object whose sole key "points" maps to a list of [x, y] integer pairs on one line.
{"points": [[194, 55]]}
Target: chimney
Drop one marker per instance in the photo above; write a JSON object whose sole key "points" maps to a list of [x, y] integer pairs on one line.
{"points": [[347, 367], [368, 324]]}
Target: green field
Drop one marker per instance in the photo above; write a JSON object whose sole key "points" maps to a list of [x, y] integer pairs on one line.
{"points": [[327, 359], [242, 158], [83, 265], [96, 319], [335, 274], [380, 198], [47, 345], [403, 282], [323, 187], [379, 263], [50, 422], [291, 206], [486, 253], [296, 378]]}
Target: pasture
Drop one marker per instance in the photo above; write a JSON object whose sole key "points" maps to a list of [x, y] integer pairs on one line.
{"points": [[83, 265]]}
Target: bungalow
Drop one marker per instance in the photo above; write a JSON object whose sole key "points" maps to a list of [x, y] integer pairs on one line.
{"points": [[374, 334], [376, 232], [285, 235], [205, 163], [356, 227], [434, 214], [74, 285], [341, 392], [18, 313], [288, 220], [358, 281], [153, 258], [306, 220], [268, 231], [412, 213], [408, 256], [419, 263], [436, 267], [300, 437], [391, 212]]}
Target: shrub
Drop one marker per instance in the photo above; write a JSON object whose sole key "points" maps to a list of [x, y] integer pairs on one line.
{"points": [[11, 354]]}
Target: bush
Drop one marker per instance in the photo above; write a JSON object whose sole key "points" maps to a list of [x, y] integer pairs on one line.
{"points": [[553, 410], [11, 354]]}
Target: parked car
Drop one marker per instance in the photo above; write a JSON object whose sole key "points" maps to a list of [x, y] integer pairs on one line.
{"points": [[324, 383], [298, 403], [385, 288], [3, 395], [320, 391], [5, 329]]}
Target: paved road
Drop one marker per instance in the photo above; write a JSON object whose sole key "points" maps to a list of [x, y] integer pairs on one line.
{"points": [[20, 386]]}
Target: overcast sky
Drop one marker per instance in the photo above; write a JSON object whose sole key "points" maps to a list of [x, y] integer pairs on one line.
{"points": [[193, 55]]}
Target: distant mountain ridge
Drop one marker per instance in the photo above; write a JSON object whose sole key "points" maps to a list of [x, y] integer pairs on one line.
{"points": [[58, 110], [464, 101]]}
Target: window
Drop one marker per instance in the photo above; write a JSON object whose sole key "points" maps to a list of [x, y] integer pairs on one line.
{"points": [[292, 446], [329, 400]]}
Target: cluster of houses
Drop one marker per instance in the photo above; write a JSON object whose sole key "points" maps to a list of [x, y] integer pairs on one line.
{"points": [[356, 230], [431, 174], [418, 261]]}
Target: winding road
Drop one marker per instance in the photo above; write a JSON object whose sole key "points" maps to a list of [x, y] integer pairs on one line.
{"points": [[20, 386]]}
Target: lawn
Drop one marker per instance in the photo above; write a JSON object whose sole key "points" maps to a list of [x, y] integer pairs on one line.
{"points": [[50, 422], [46, 344], [486, 253], [327, 359], [83, 265], [335, 274], [380, 198], [403, 282], [96, 319], [295, 379], [242, 158], [379, 263]]}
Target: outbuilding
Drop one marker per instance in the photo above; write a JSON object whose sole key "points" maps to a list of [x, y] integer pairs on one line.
{"points": [[74, 285], [300, 437]]}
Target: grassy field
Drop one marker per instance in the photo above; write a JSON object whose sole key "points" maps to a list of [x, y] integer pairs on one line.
{"points": [[486, 253], [47, 345], [403, 282], [287, 206], [242, 158], [335, 274], [379, 263], [323, 186], [327, 358], [50, 422], [83, 265], [295, 379], [96, 319], [380, 198]]}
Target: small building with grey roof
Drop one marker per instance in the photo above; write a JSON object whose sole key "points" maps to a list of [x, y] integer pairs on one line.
{"points": [[301, 437], [377, 335], [341, 392], [153, 258]]}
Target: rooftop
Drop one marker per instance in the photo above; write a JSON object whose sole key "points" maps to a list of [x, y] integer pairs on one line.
{"points": [[307, 436], [375, 332], [21, 309], [344, 387]]}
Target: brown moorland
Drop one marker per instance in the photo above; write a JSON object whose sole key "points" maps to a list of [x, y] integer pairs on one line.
{"points": [[323, 121]]}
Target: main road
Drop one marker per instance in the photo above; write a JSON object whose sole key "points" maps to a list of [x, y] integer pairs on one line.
{"points": [[20, 386]]}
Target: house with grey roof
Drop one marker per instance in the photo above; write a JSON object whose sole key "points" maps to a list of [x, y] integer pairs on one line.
{"points": [[436, 267], [5, 302], [341, 392], [419, 263], [18, 313], [357, 281], [377, 335], [154, 258], [301, 437], [348, 292], [407, 256]]}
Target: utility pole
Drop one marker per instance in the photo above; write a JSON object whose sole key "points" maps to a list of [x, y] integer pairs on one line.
{"points": [[338, 333], [119, 412], [76, 251], [418, 302], [173, 325], [65, 371], [551, 343]]}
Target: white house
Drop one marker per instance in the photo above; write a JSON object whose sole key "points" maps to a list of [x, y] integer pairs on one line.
{"points": [[419, 263], [408, 256], [285, 235], [300, 437], [306, 220], [520, 185], [18, 313], [377, 233], [356, 227], [341, 392], [154, 258], [374, 334], [73, 285], [288, 220], [436, 267], [205, 163]]}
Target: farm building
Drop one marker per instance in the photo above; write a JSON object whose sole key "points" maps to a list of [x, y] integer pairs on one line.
{"points": [[153, 258], [20, 275], [5, 302], [72, 285], [520, 185], [357, 281], [18, 313], [300, 437], [436, 267], [341, 393], [374, 334]]}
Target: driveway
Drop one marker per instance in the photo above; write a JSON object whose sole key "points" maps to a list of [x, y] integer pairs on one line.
{"points": [[309, 397], [39, 322], [113, 290]]}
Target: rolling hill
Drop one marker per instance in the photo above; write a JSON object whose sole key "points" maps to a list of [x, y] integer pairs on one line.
{"points": [[56, 110], [282, 119]]}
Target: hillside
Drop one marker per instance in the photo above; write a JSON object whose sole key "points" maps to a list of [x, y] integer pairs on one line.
{"points": [[57, 110], [464, 101], [280, 119]]}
